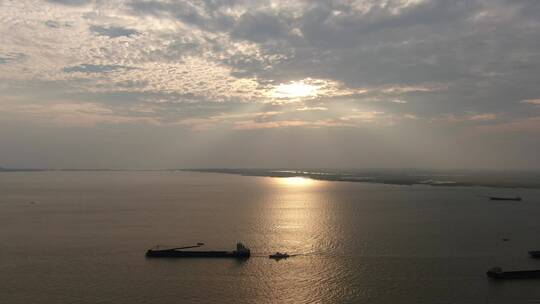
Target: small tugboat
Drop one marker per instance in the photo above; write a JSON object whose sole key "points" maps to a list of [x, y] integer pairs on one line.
{"points": [[278, 256], [241, 252], [535, 254], [497, 198], [498, 274]]}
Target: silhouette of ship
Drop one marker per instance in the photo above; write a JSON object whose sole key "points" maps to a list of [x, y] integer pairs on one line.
{"points": [[535, 254], [498, 274], [241, 252], [279, 256], [498, 198]]}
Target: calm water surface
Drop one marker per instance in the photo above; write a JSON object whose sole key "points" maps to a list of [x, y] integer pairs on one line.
{"points": [[80, 237]]}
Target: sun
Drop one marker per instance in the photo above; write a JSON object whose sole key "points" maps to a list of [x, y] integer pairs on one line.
{"points": [[295, 89]]}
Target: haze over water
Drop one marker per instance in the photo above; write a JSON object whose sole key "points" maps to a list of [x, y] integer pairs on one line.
{"points": [[80, 237]]}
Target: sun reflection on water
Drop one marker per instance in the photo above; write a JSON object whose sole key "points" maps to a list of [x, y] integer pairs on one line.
{"points": [[296, 181], [293, 214], [296, 221]]}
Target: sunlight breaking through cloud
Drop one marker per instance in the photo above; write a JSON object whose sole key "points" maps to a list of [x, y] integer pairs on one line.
{"points": [[295, 89]]}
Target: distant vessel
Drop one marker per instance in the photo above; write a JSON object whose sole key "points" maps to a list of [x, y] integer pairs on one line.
{"points": [[497, 198], [534, 254], [498, 274], [241, 252], [279, 256]]}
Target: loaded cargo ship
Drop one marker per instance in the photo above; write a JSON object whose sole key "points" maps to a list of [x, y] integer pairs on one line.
{"points": [[497, 198], [241, 252], [499, 274], [535, 254]]}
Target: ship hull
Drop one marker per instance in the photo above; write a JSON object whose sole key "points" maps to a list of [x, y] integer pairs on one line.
{"points": [[511, 275], [196, 254], [535, 254], [505, 199]]}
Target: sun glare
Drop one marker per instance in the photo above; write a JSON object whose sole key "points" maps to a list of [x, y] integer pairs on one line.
{"points": [[296, 181], [295, 89]]}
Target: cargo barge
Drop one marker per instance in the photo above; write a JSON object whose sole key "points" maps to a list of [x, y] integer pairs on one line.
{"points": [[497, 198], [241, 252], [535, 254], [498, 274]]}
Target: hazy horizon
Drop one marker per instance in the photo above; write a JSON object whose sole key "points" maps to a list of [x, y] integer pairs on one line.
{"points": [[375, 169], [501, 179]]}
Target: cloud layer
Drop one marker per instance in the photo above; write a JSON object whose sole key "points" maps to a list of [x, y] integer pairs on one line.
{"points": [[450, 69]]}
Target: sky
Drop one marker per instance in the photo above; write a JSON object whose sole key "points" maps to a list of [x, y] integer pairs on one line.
{"points": [[146, 84]]}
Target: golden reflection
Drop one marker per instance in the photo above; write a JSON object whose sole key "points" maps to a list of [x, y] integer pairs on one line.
{"points": [[296, 181], [297, 220]]}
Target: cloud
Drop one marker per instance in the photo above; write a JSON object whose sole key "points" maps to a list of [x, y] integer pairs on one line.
{"points": [[235, 64], [204, 14], [260, 27], [11, 57], [113, 31], [525, 126], [228, 120], [250, 125], [306, 108], [409, 50], [71, 2], [73, 114], [365, 116], [95, 68], [52, 24], [482, 117], [280, 124], [531, 101], [453, 118]]}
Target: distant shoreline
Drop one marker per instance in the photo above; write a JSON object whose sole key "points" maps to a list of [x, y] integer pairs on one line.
{"points": [[378, 178], [402, 177]]}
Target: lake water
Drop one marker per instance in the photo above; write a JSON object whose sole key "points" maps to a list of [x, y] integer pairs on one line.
{"points": [[80, 237]]}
